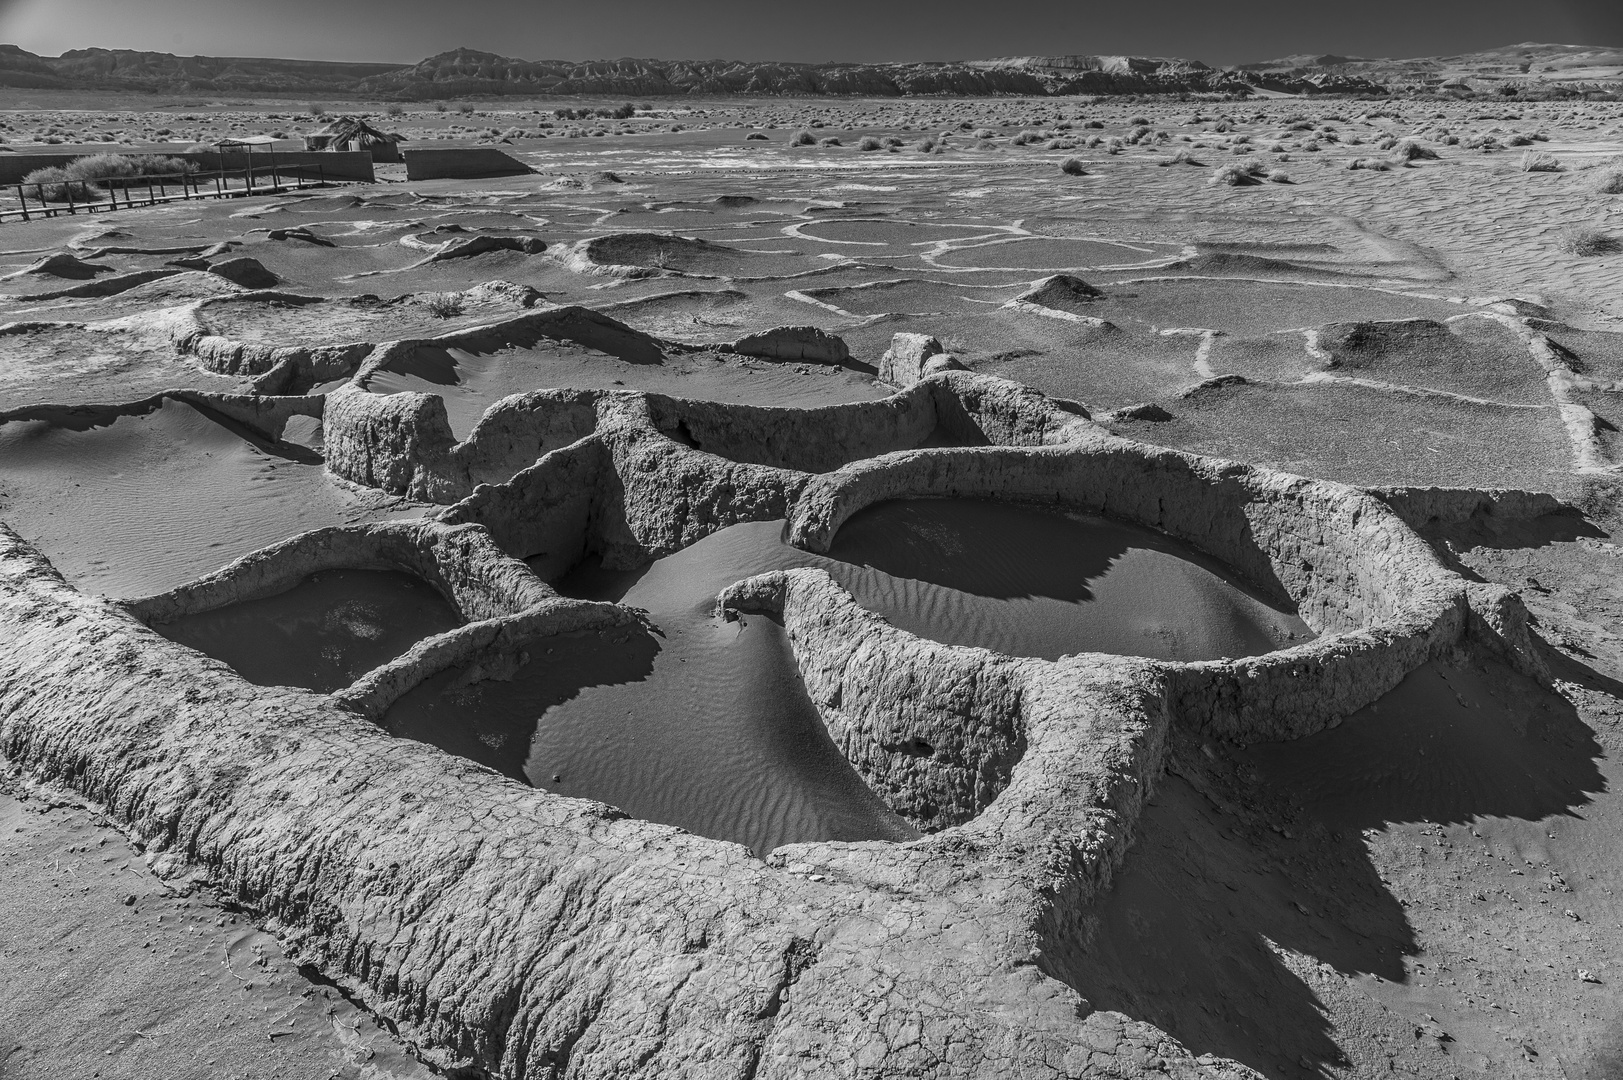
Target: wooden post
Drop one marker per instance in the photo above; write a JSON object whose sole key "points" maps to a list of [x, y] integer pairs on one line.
{"points": [[22, 201], [67, 188]]}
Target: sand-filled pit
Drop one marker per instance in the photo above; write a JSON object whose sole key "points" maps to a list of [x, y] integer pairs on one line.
{"points": [[134, 503], [694, 722], [66, 363], [323, 633], [1031, 581]]}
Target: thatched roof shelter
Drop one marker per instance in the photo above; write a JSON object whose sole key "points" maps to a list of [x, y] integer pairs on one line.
{"points": [[353, 133]]}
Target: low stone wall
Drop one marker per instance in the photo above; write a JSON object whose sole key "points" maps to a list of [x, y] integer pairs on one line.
{"points": [[934, 729], [462, 163], [476, 577]]}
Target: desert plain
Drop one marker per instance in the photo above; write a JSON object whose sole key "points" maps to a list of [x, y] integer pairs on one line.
{"points": [[1018, 587]]}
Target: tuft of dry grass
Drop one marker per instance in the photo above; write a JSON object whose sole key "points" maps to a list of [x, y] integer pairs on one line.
{"points": [[444, 305], [803, 138], [1073, 167], [1588, 242], [869, 142], [1541, 162], [1238, 174], [1406, 150]]}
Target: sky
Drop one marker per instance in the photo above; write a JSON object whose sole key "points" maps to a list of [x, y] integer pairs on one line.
{"points": [[404, 31]]}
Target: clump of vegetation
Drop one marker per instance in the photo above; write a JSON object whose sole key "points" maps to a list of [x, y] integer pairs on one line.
{"points": [[1541, 162], [829, 140], [1588, 242], [1073, 167], [1611, 183], [122, 170], [891, 142], [1280, 176], [1370, 164], [1406, 150], [466, 108], [755, 136], [53, 185], [1238, 174], [1182, 157], [444, 305], [803, 138], [926, 145], [316, 110], [869, 142], [396, 109]]}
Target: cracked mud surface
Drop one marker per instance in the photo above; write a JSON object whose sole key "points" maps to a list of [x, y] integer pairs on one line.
{"points": [[1379, 845]]}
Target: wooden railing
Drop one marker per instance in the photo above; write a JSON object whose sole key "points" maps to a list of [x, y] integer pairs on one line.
{"points": [[93, 195]]}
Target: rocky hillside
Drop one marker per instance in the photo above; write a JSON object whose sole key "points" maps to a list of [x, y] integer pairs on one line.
{"points": [[469, 73]]}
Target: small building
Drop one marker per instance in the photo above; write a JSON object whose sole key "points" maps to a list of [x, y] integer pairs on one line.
{"points": [[353, 133]]}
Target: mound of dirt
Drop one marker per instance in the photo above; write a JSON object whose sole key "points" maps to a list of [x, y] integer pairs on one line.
{"points": [[1230, 262], [249, 273], [1062, 292], [63, 265]]}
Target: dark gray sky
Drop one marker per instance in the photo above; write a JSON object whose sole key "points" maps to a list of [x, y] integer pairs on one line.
{"points": [[1218, 31]]}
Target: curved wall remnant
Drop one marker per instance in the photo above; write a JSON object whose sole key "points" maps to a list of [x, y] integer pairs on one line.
{"points": [[532, 935]]}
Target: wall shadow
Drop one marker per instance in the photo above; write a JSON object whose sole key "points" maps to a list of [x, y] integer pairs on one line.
{"points": [[1241, 851]]}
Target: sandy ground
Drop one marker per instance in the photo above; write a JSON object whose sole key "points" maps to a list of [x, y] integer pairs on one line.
{"points": [[1429, 889]]}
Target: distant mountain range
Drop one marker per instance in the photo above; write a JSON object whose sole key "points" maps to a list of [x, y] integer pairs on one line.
{"points": [[469, 73]]}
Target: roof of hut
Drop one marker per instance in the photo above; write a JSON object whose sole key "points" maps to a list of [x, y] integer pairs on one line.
{"points": [[352, 129]]}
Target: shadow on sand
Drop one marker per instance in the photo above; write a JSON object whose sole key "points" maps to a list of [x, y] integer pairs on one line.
{"points": [[1235, 857]]}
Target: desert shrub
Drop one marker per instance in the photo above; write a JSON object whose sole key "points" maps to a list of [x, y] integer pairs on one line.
{"points": [[121, 170], [1096, 124], [755, 136], [1541, 162], [1238, 174], [1299, 125], [54, 185], [803, 138], [1588, 242], [1113, 145], [1385, 142], [1073, 167], [984, 133], [1279, 176], [869, 142], [444, 305], [396, 109], [440, 106], [1139, 121], [925, 146], [1370, 164], [1519, 140], [466, 108], [891, 142], [1182, 157], [1611, 183], [1411, 150], [829, 140], [316, 110]]}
